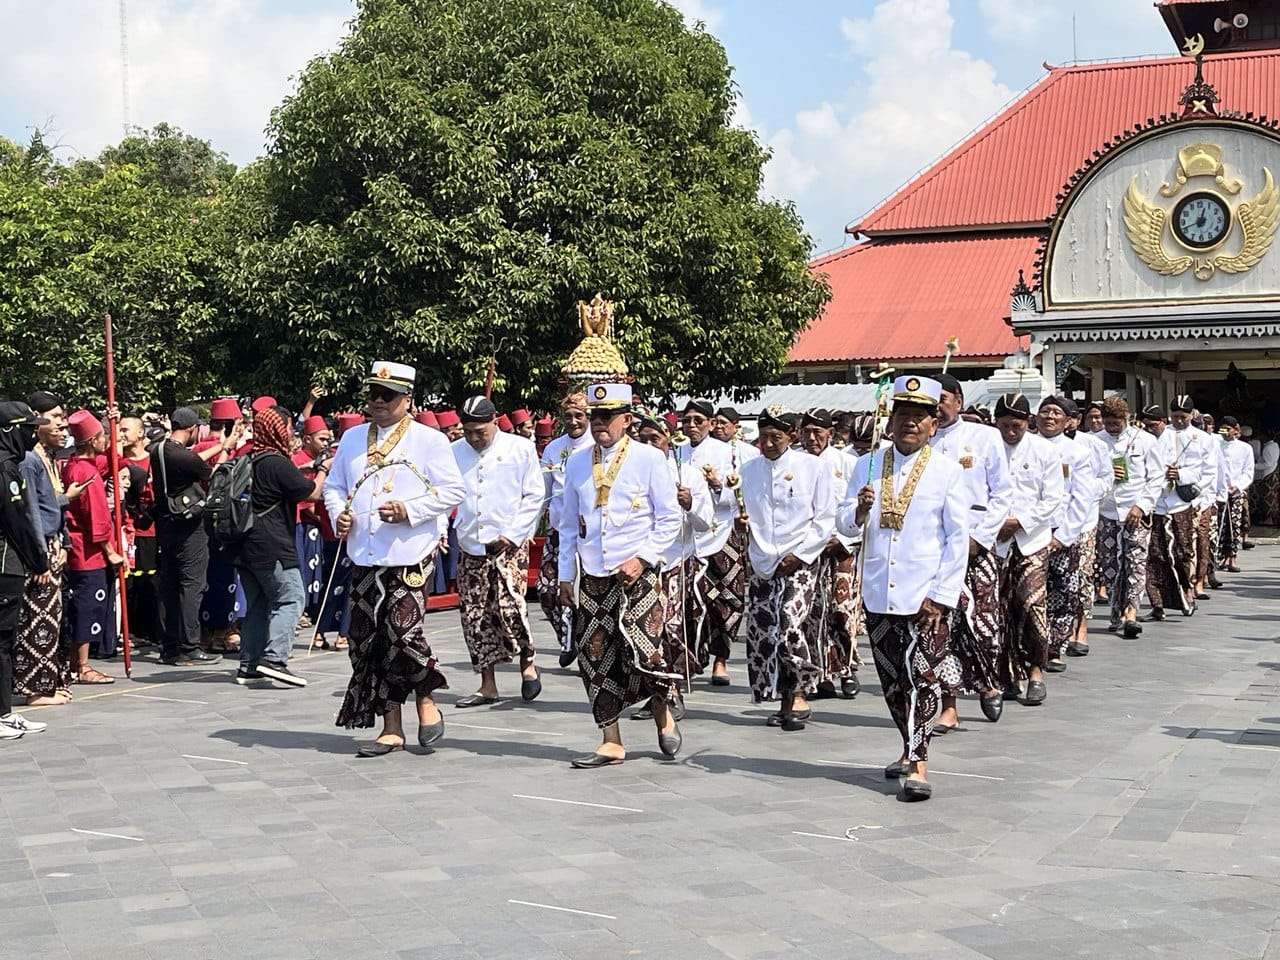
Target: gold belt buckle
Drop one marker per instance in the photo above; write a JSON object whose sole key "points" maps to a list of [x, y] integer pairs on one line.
{"points": [[415, 578]]}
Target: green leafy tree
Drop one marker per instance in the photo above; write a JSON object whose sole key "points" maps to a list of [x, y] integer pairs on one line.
{"points": [[131, 234], [446, 185]]}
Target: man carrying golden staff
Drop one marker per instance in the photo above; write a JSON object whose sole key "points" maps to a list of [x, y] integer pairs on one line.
{"points": [[912, 511], [619, 517], [1188, 456], [388, 487], [495, 519]]}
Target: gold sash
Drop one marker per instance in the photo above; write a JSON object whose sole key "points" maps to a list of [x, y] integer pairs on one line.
{"points": [[379, 452], [604, 479], [893, 508]]}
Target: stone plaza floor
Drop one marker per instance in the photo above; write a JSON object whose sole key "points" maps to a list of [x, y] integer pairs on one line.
{"points": [[181, 816]]}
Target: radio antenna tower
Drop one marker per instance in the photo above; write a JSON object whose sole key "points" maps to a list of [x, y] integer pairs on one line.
{"points": [[124, 68]]}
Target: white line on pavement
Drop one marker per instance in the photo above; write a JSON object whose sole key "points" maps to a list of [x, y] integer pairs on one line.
{"points": [[547, 906], [143, 696], [476, 726], [196, 756], [834, 796], [876, 766], [113, 836], [576, 803], [823, 836]]}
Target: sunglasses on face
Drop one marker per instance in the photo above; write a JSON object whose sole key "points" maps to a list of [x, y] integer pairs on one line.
{"points": [[385, 394]]}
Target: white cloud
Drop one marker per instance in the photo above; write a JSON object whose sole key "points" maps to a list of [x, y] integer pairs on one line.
{"points": [[919, 96], [1014, 19], [699, 10], [215, 67]]}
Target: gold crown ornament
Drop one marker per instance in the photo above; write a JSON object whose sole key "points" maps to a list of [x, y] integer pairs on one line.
{"points": [[595, 358]]}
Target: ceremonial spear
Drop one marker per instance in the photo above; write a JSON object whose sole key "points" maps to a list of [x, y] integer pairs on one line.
{"points": [[884, 380], [117, 510]]}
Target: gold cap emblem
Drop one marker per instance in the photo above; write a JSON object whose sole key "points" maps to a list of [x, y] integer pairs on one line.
{"points": [[913, 384]]}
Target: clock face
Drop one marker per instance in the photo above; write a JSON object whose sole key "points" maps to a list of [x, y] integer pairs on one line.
{"points": [[1201, 221]]}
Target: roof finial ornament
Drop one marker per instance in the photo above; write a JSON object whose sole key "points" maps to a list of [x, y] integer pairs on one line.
{"points": [[1022, 299], [1200, 99]]}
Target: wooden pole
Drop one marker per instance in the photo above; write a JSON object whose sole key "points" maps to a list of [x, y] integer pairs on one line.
{"points": [[117, 509]]}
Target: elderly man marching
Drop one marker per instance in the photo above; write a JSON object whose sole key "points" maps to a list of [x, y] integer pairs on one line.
{"points": [[719, 589], [555, 458], [836, 624], [1238, 462], [618, 519], [790, 509], [973, 660], [1190, 464], [388, 487], [1025, 543], [913, 507], [504, 493]]}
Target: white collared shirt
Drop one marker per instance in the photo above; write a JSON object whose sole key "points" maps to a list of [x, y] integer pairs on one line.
{"points": [[1080, 489], [372, 542], [697, 519], [1239, 461], [1146, 472], [839, 464], [1215, 484], [791, 508], [979, 450], [1099, 455], [928, 557], [555, 456], [641, 519], [1188, 450], [720, 456], [1036, 492], [505, 490]]}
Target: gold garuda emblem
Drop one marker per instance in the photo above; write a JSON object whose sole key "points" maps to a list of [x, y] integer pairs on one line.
{"points": [[1203, 220]]}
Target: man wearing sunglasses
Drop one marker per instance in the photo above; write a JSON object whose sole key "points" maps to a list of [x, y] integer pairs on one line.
{"points": [[390, 483]]}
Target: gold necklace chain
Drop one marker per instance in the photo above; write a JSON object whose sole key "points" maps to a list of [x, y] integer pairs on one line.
{"points": [[604, 479], [893, 507]]}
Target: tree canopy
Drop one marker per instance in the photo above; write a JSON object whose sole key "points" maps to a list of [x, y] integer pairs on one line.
{"points": [[447, 184]]}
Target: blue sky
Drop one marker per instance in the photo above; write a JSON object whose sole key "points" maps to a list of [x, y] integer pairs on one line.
{"points": [[853, 97]]}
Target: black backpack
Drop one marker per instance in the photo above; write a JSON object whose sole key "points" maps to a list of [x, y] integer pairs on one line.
{"points": [[229, 505]]}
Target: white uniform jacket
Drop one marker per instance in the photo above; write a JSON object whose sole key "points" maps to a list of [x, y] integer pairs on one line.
{"points": [[1099, 456], [1189, 451], [979, 451], [1037, 491], [697, 519], [839, 464], [1080, 489], [1239, 458], [928, 557], [425, 456], [1146, 472], [641, 519], [720, 456], [505, 492], [554, 459], [791, 506]]}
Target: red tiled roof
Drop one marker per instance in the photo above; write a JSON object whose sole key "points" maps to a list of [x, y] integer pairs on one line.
{"points": [[1008, 172], [902, 299]]}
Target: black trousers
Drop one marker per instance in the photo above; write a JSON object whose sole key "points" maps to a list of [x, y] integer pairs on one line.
{"points": [[145, 615], [184, 561], [10, 606]]}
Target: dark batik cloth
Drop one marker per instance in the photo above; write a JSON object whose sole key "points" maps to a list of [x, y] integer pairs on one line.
{"points": [[1206, 541], [1171, 560], [41, 654], [1122, 556], [336, 615], [142, 584], [390, 657], [908, 660], [837, 617], [619, 634], [549, 589], [718, 599], [1230, 526], [675, 649], [1062, 599], [973, 660], [1088, 545], [310, 549], [1264, 500], [1026, 644], [223, 604], [89, 610], [782, 653], [495, 620]]}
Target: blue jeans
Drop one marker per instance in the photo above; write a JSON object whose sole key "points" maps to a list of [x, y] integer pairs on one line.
{"points": [[275, 599]]}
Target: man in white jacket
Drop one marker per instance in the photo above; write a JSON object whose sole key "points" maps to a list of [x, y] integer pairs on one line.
{"points": [[1171, 563], [914, 516], [1238, 459]]}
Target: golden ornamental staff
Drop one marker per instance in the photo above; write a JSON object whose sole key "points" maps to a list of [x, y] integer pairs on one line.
{"points": [[953, 346]]}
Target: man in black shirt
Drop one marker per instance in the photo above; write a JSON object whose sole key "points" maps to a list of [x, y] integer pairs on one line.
{"points": [[267, 559], [180, 535]]}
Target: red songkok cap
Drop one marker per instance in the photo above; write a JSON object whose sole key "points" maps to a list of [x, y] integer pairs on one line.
{"points": [[263, 403], [313, 424], [427, 419], [520, 416], [504, 423], [546, 427], [448, 418], [225, 408], [672, 420], [84, 426], [348, 420]]}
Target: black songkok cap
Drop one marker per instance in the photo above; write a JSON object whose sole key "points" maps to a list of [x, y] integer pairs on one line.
{"points": [[1013, 405], [729, 414], [42, 401], [1228, 422], [773, 417], [1065, 404], [703, 407], [1154, 412], [950, 384], [864, 427], [817, 417], [478, 410], [1181, 404]]}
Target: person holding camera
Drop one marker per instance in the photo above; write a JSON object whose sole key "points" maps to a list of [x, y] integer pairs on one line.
{"points": [[1171, 562]]}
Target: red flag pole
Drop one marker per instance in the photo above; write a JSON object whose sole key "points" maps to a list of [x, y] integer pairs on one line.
{"points": [[117, 511]]}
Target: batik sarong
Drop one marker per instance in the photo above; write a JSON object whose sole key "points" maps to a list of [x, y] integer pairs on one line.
{"points": [[223, 603], [549, 589], [718, 598], [1122, 552], [782, 658], [41, 655], [1062, 597], [1087, 568], [972, 662], [618, 632], [907, 660], [495, 620], [89, 610], [837, 617], [1206, 541], [391, 659], [1264, 500], [675, 648], [1230, 527], [309, 546], [335, 616], [1171, 560], [1026, 644]]}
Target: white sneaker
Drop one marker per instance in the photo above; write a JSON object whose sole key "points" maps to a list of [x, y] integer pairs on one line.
{"points": [[10, 733], [16, 721]]}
